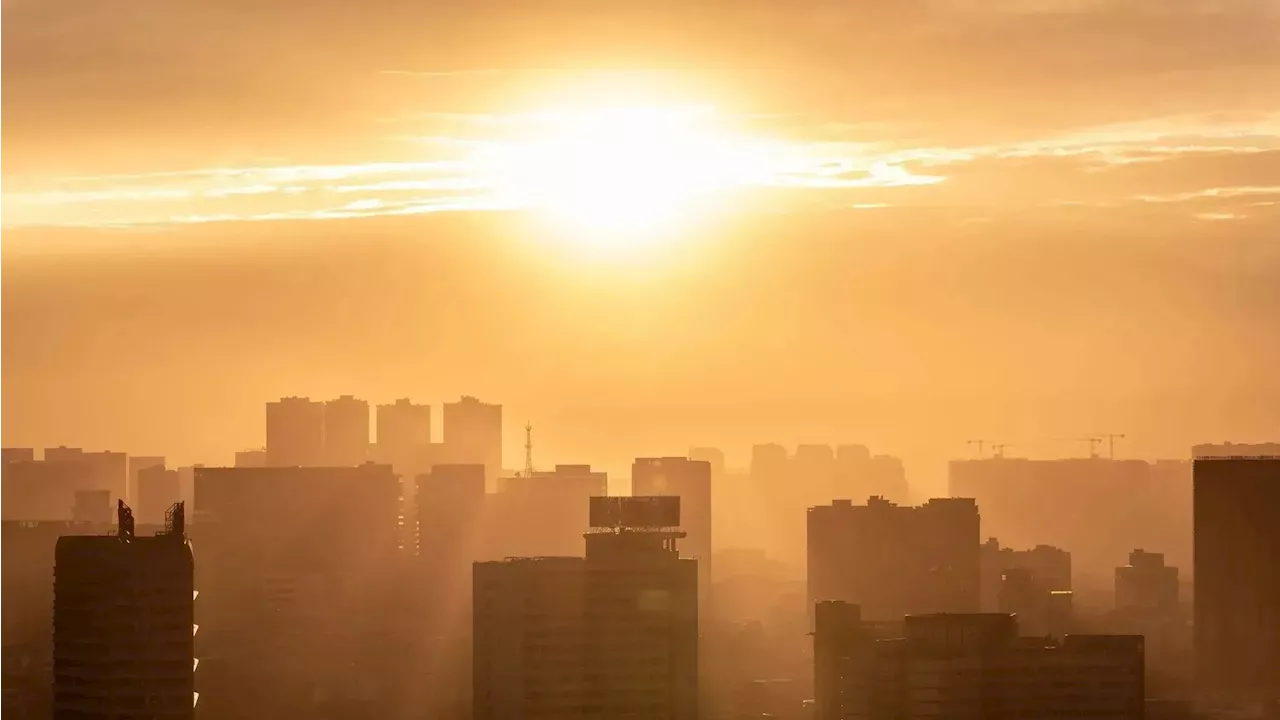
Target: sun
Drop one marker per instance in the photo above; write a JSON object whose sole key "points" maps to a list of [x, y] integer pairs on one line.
{"points": [[619, 176]]}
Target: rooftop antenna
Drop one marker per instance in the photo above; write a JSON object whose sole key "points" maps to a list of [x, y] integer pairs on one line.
{"points": [[528, 450], [124, 521]]}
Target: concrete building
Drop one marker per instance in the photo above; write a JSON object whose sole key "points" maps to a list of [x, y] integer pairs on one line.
{"points": [[16, 454], [295, 433], [544, 514], [1048, 565], [253, 458], [138, 463], [613, 634], [346, 431], [158, 489], [124, 624], [1030, 502], [970, 666], [301, 581], [1147, 584], [92, 506], [895, 560], [473, 430], [690, 480], [1237, 578], [403, 426]]}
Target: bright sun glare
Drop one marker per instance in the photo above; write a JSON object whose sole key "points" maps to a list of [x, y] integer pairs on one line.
{"points": [[620, 176]]}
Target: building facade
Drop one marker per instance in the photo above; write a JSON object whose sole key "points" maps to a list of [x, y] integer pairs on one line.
{"points": [[295, 433]]}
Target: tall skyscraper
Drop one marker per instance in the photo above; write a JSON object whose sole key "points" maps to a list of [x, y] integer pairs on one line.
{"points": [[124, 624], [403, 426], [894, 560], [473, 432], [295, 433], [689, 480], [611, 635], [1237, 578], [346, 431]]}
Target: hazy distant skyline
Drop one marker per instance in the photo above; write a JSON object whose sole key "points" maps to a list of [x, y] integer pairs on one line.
{"points": [[915, 223]]}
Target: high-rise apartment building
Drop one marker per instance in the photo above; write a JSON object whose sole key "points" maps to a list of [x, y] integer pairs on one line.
{"points": [[301, 576], [158, 489], [251, 458], [403, 426], [346, 431], [895, 560], [295, 433], [1237, 578], [613, 634], [546, 512], [970, 666], [473, 432], [138, 463], [1146, 583], [124, 624], [1050, 567], [690, 480], [714, 456]]}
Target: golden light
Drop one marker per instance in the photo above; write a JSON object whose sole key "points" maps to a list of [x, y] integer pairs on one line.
{"points": [[620, 177]]}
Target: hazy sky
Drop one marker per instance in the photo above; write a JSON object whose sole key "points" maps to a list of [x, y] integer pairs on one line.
{"points": [[915, 221]]}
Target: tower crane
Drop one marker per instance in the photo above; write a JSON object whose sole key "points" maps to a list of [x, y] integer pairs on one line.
{"points": [[1093, 445], [981, 443], [997, 450], [1111, 439]]}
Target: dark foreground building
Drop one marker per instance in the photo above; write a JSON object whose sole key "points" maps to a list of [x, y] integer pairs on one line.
{"points": [[124, 624], [611, 635], [1237, 578], [970, 666]]}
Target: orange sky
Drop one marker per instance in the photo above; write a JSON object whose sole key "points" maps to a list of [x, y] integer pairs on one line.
{"points": [[1035, 219]]}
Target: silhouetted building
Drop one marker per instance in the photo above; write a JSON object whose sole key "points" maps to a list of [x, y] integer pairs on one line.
{"points": [[8, 455], [295, 433], [473, 430], [1048, 565], [158, 490], [1086, 505], [895, 560], [403, 426], [1146, 583], [546, 513], [251, 458], [712, 456], [690, 480], [138, 463], [124, 624], [611, 635], [346, 431], [1237, 578], [970, 666], [92, 506], [301, 591]]}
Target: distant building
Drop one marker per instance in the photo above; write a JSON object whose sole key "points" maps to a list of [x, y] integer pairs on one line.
{"points": [[970, 666], [302, 585], [1048, 565], [92, 506], [346, 431], [1146, 583], [1086, 505], [546, 513], [712, 456], [1237, 578], [610, 635], [473, 430], [124, 624], [251, 458], [295, 433], [690, 480], [46, 489], [403, 426], [895, 560], [137, 463], [158, 490], [8, 455]]}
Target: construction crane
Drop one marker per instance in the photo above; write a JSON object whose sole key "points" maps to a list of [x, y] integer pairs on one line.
{"points": [[1111, 439], [981, 443], [1094, 442], [528, 450], [997, 450]]}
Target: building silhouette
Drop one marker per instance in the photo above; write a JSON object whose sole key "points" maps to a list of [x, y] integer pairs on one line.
{"points": [[158, 489], [92, 506], [302, 584], [124, 624], [1237, 578], [251, 458], [17, 454], [970, 666], [689, 480], [346, 431], [896, 560], [1049, 566], [613, 634], [402, 427], [473, 432], [295, 433], [546, 512], [136, 464]]}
